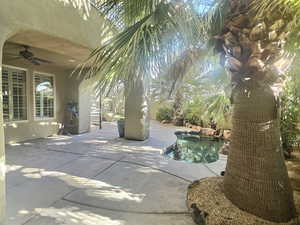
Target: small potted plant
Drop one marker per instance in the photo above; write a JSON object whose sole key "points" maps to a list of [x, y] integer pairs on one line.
{"points": [[121, 127]]}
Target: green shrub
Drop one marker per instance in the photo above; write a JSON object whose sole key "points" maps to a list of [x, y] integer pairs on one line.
{"points": [[193, 117], [164, 113], [290, 116]]}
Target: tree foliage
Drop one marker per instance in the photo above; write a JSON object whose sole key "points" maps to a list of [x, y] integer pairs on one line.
{"points": [[204, 90], [152, 34], [290, 111], [165, 113]]}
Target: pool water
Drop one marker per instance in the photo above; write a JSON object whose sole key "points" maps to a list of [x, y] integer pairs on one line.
{"points": [[195, 148]]}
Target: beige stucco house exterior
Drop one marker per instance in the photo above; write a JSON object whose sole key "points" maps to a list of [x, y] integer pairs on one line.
{"points": [[36, 93]]}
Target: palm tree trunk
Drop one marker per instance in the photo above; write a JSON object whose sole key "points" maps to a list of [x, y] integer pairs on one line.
{"points": [[256, 177], [178, 108]]}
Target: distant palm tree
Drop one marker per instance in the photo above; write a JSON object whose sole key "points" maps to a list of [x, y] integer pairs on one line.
{"points": [[250, 37]]}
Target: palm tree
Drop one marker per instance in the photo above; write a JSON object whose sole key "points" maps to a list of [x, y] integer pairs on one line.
{"points": [[253, 49], [178, 108], [250, 40]]}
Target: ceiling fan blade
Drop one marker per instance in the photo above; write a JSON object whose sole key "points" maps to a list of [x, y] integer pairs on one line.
{"points": [[41, 60], [35, 62]]}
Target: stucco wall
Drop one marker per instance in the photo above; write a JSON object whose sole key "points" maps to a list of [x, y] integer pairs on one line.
{"points": [[2, 148], [30, 129], [85, 105], [57, 18], [137, 112]]}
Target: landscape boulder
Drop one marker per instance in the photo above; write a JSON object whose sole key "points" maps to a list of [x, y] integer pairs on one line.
{"points": [[226, 134], [208, 131], [225, 149]]}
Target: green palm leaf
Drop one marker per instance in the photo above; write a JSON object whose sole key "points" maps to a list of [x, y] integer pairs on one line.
{"points": [[152, 34]]}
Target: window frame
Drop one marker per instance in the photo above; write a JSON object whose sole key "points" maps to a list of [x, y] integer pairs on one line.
{"points": [[26, 91], [35, 118]]}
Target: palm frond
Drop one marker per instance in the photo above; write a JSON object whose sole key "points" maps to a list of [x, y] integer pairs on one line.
{"points": [[125, 13], [218, 106], [267, 7], [183, 64], [216, 16], [282, 9], [152, 33], [82, 5]]}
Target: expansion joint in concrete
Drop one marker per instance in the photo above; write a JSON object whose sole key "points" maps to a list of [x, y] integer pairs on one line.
{"points": [[102, 171], [163, 171], [207, 167], [110, 166], [128, 211]]}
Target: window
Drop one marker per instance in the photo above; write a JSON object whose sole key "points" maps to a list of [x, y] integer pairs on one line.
{"points": [[44, 96], [5, 94], [14, 94]]}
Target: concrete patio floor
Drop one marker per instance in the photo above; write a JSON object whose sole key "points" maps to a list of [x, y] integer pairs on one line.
{"points": [[98, 178]]}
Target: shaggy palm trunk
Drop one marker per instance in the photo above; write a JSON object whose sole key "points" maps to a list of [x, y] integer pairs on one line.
{"points": [[256, 177], [177, 107]]}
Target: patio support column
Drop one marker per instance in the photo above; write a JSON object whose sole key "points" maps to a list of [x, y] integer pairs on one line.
{"points": [[2, 145], [84, 101], [137, 112]]}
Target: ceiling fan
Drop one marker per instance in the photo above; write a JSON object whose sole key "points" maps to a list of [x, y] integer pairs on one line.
{"points": [[28, 55]]}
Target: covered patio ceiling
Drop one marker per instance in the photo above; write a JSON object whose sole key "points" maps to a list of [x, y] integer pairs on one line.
{"points": [[62, 53]]}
